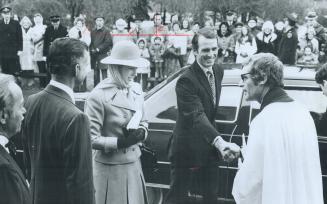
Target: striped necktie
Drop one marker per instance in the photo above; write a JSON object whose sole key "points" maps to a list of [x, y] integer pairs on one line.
{"points": [[211, 80]]}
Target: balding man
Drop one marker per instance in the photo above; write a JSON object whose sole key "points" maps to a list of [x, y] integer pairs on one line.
{"points": [[14, 188]]}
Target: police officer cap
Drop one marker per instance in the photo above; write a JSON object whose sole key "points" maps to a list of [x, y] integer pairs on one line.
{"points": [[5, 9], [54, 18], [229, 13]]}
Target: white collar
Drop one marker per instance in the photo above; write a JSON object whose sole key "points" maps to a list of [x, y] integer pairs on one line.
{"points": [[204, 69], [63, 87], [3, 142]]}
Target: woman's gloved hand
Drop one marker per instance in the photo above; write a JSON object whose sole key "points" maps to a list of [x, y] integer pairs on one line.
{"points": [[131, 137]]}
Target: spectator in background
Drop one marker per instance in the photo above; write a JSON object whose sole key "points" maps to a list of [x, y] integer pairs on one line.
{"points": [[101, 44], [253, 25], [173, 51], [121, 33], [225, 44], [26, 57], [157, 50], [194, 30], [37, 33], [266, 39], [186, 30], [79, 31], [308, 57], [235, 36], [246, 45], [279, 29], [14, 187], [289, 42], [52, 32], [309, 40], [158, 29], [143, 72], [11, 42], [320, 31], [230, 20]]}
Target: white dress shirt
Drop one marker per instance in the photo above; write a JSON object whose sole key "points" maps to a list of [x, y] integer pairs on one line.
{"points": [[63, 87]]}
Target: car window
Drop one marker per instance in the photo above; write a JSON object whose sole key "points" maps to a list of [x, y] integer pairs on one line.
{"points": [[314, 100], [161, 107], [229, 104]]}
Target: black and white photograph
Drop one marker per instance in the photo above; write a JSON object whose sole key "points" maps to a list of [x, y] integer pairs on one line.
{"points": [[163, 101]]}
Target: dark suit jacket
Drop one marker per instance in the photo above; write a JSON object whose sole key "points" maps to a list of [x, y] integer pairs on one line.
{"points": [[191, 144], [102, 40], [14, 189], [51, 34], [58, 148], [11, 39]]}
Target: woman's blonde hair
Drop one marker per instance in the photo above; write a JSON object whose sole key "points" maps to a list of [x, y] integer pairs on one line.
{"points": [[116, 75], [25, 18]]}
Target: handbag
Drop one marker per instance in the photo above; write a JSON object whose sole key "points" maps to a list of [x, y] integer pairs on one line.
{"points": [[148, 160]]}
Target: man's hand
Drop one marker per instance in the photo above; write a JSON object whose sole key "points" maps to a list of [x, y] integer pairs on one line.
{"points": [[19, 52], [228, 150]]}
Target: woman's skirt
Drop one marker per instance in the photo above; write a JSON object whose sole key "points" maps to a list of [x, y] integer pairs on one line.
{"points": [[119, 184]]}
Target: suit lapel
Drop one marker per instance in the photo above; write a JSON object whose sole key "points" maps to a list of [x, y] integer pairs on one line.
{"points": [[202, 78], [6, 156]]}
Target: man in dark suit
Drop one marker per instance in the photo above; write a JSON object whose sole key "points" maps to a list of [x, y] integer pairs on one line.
{"points": [[56, 133], [14, 187], [11, 42], [196, 142], [101, 44], [321, 119], [52, 32]]}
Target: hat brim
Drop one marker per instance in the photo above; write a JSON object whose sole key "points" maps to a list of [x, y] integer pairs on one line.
{"points": [[311, 18], [291, 18], [132, 63]]}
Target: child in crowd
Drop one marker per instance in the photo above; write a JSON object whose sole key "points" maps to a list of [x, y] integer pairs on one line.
{"points": [[308, 57], [143, 72], [157, 49]]}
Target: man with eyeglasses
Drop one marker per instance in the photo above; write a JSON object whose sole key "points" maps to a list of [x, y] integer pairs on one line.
{"points": [[281, 160]]}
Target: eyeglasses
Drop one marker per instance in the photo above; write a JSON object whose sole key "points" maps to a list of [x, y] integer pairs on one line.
{"points": [[243, 76]]}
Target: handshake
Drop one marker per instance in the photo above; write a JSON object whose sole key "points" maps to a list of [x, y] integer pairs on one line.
{"points": [[229, 151]]}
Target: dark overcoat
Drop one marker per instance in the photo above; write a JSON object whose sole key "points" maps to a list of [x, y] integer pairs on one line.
{"points": [[14, 188], [192, 139], [11, 39], [51, 34], [100, 39], [58, 148]]}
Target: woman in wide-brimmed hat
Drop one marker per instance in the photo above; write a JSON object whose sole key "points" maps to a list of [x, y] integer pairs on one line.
{"points": [[116, 112]]}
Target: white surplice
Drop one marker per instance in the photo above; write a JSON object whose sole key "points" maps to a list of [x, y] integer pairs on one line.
{"points": [[281, 163]]}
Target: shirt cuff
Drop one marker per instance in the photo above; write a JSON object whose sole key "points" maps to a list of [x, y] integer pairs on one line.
{"points": [[110, 144], [218, 142]]}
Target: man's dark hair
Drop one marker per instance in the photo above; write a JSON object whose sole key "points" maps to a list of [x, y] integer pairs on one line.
{"points": [[321, 74], [63, 54], [205, 32]]}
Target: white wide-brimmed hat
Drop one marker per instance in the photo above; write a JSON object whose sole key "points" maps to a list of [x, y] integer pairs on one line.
{"points": [[126, 53], [311, 16]]}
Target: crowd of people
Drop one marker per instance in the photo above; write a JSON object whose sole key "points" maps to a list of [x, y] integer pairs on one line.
{"points": [[279, 164], [168, 46]]}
